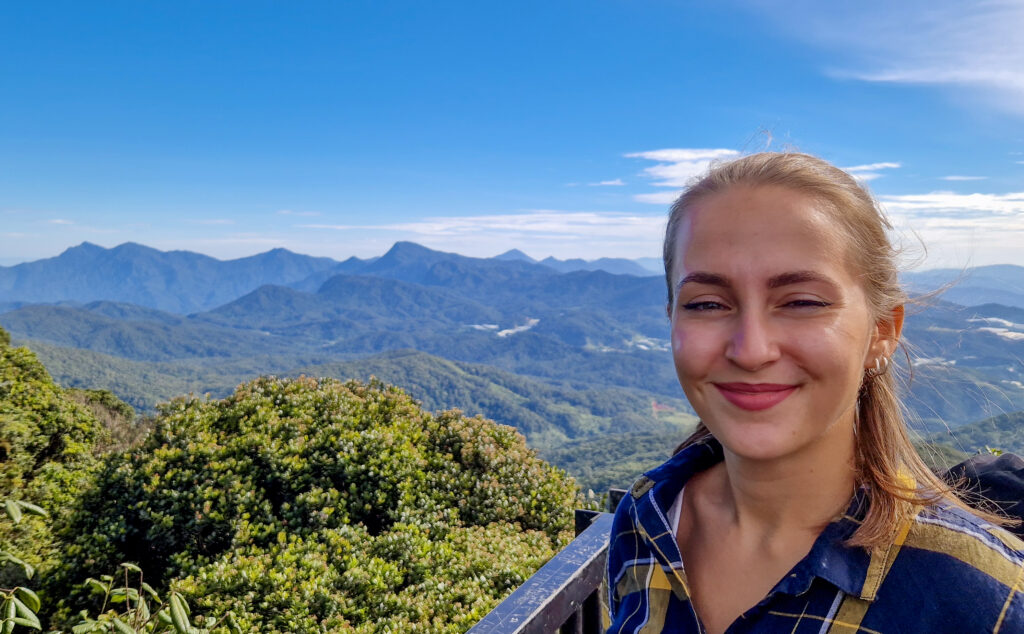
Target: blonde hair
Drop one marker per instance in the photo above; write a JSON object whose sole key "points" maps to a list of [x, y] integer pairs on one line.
{"points": [[896, 481]]}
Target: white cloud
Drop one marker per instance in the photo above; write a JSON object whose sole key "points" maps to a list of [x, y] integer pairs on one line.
{"points": [[939, 42], [872, 167], [561, 233], [213, 221], [943, 204], [870, 171], [676, 168], [618, 182], [60, 221], [658, 198], [964, 178], [961, 229], [289, 212]]}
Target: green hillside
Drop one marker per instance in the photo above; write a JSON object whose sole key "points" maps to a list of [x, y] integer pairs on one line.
{"points": [[546, 414], [1004, 432]]}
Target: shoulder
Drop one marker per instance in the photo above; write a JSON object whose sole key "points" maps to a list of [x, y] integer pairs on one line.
{"points": [[952, 571], [967, 539], [959, 560]]}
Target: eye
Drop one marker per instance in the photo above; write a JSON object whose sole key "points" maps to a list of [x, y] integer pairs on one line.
{"points": [[807, 303], [703, 306]]}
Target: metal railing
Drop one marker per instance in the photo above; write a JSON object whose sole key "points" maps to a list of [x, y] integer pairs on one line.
{"points": [[565, 595]]}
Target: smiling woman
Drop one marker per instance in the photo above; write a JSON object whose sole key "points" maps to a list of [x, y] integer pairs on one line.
{"points": [[806, 508]]}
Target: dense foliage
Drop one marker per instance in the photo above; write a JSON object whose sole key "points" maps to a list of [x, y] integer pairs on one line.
{"points": [[46, 443], [306, 505]]}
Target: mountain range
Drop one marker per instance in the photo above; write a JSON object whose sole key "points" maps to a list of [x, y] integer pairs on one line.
{"points": [[186, 282], [520, 341]]}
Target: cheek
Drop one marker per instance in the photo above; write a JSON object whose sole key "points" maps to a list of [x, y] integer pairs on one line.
{"points": [[692, 347]]}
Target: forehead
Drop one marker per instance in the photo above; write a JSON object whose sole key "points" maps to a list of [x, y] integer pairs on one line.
{"points": [[761, 227]]}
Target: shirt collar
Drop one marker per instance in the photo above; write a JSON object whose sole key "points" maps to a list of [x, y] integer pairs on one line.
{"points": [[830, 559]]}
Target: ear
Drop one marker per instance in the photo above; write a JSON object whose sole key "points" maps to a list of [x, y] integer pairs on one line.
{"points": [[886, 337]]}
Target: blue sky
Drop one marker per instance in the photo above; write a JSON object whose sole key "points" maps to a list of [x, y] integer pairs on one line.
{"points": [[560, 128]]}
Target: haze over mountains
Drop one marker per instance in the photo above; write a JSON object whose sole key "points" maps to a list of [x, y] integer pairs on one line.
{"points": [[565, 350]]}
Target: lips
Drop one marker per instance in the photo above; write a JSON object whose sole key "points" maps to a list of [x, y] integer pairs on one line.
{"points": [[755, 396]]}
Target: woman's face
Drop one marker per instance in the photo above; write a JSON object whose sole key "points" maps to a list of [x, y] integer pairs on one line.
{"points": [[771, 331]]}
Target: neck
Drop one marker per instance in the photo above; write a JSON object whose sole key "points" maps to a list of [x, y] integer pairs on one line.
{"points": [[799, 492]]}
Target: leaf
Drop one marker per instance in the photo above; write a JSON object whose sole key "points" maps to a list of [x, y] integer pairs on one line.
{"points": [[132, 567], [30, 598], [178, 615], [32, 509], [25, 616], [149, 590], [27, 567], [123, 627], [10, 611], [96, 585], [165, 617], [33, 623], [13, 511]]}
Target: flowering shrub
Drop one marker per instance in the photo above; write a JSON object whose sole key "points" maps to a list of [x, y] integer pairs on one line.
{"points": [[306, 505]]}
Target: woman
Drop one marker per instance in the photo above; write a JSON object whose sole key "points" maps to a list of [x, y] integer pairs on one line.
{"points": [[799, 504]]}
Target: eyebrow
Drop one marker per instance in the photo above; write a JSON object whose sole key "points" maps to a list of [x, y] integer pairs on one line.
{"points": [[777, 281]]}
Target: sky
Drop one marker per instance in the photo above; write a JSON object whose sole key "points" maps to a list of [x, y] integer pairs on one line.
{"points": [[559, 128]]}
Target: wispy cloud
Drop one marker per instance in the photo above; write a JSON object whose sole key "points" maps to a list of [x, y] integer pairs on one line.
{"points": [[60, 221], [978, 228], [618, 182], [213, 221], [676, 167], [289, 212], [950, 204], [938, 42], [870, 171], [559, 232], [964, 178]]}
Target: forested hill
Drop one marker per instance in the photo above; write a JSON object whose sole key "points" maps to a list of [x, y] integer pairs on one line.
{"points": [[1004, 432]]}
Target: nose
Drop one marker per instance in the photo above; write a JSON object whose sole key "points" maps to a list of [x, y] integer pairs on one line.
{"points": [[751, 344]]}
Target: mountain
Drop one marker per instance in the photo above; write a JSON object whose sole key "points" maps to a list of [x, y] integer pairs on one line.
{"points": [[996, 284], [174, 281], [654, 266], [147, 340], [516, 255], [618, 266], [1004, 432]]}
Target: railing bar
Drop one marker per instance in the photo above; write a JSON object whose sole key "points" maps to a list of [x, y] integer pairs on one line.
{"points": [[519, 613]]}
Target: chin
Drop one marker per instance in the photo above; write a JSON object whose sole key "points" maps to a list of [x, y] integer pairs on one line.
{"points": [[759, 441]]}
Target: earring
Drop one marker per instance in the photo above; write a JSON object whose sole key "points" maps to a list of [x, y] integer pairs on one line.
{"points": [[881, 367]]}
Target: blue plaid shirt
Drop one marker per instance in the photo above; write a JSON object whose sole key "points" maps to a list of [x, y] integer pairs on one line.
{"points": [[948, 571]]}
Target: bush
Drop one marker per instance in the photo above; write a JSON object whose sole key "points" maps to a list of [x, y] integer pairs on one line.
{"points": [[311, 505], [46, 455]]}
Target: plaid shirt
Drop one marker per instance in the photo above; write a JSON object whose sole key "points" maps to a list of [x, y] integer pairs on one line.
{"points": [[947, 571]]}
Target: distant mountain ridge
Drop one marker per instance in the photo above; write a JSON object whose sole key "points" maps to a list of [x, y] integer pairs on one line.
{"points": [[185, 282], [993, 284]]}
